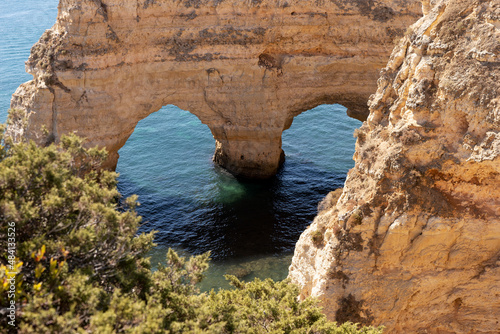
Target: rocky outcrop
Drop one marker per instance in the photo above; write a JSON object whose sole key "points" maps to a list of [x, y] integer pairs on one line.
{"points": [[244, 68], [413, 242]]}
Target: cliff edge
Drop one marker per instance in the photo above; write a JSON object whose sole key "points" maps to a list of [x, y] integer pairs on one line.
{"points": [[413, 241]]}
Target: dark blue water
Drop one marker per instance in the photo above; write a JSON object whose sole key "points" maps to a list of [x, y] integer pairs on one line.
{"points": [[250, 228]]}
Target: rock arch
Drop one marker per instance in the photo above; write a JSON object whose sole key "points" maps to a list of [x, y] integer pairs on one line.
{"points": [[244, 68]]}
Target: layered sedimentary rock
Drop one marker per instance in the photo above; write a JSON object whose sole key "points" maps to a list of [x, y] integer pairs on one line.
{"points": [[412, 242], [244, 68]]}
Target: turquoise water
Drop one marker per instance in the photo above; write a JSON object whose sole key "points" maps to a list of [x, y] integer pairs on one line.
{"points": [[250, 228], [21, 25]]}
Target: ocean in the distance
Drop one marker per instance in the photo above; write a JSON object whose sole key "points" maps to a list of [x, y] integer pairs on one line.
{"points": [[250, 228]]}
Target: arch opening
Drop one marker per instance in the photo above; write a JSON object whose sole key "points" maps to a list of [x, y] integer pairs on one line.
{"points": [[244, 78], [250, 227], [318, 127]]}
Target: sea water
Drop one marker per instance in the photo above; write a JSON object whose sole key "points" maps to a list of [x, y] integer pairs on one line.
{"points": [[195, 206]]}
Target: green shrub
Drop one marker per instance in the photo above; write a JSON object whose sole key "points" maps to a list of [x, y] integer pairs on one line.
{"points": [[356, 218], [83, 267], [317, 238]]}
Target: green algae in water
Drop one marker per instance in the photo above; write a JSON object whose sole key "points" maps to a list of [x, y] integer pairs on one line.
{"points": [[246, 269]]}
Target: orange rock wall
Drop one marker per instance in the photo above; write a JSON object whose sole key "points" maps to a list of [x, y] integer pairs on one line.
{"points": [[244, 68], [413, 242]]}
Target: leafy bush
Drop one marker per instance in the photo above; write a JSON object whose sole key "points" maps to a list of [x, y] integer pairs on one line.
{"points": [[317, 238], [83, 267]]}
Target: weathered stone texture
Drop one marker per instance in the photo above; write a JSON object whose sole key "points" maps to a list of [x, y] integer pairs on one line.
{"points": [[413, 242], [244, 68]]}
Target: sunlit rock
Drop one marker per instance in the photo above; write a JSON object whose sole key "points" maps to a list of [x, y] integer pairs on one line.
{"points": [[244, 68], [413, 242]]}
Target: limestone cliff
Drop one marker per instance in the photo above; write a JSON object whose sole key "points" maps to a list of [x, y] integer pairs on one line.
{"points": [[413, 242], [244, 68]]}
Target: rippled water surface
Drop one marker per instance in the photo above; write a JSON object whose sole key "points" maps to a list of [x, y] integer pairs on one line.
{"points": [[21, 25], [250, 228]]}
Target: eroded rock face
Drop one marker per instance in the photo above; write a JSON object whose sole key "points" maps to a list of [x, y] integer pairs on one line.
{"points": [[244, 68], [413, 242]]}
